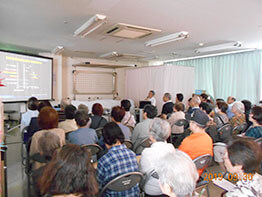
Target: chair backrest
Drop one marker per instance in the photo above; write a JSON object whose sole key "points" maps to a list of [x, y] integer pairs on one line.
{"points": [[240, 128], [123, 182], [128, 144], [202, 162], [181, 122], [259, 141], [94, 148], [146, 143], [224, 132], [24, 130], [99, 132]]}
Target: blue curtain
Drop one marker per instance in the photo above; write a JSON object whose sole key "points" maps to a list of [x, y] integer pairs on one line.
{"points": [[235, 75]]}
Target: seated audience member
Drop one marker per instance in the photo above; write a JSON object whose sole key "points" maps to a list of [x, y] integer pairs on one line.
{"points": [[151, 97], [141, 131], [61, 113], [117, 115], [117, 161], [179, 98], [199, 142], [85, 108], [256, 118], [32, 105], [158, 134], [69, 124], [48, 121], [69, 173], [128, 119], [230, 102], [221, 114], [83, 135], [188, 107], [168, 105], [243, 158], [204, 97], [194, 104], [97, 121], [248, 106], [177, 174], [238, 109], [177, 115]]}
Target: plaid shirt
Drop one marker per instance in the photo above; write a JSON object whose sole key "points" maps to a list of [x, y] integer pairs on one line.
{"points": [[119, 160], [255, 132]]}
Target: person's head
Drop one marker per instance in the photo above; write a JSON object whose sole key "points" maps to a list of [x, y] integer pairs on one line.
{"points": [[83, 107], [48, 118], [256, 115], [81, 118], [247, 104], [151, 93], [125, 104], [177, 174], [117, 114], [149, 111], [179, 97], [222, 106], [179, 107], [43, 104], [203, 97], [167, 97], [243, 156], [238, 108], [32, 103], [97, 109], [230, 99], [195, 101], [70, 112], [219, 100], [159, 130], [198, 121], [206, 107], [69, 172], [112, 134], [64, 102], [48, 143]]}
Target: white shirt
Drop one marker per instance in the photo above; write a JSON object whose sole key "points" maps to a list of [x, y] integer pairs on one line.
{"points": [[153, 100], [129, 120], [26, 118], [149, 158]]}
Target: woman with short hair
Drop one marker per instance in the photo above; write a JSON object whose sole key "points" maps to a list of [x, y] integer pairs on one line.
{"points": [[238, 109], [256, 118], [221, 114], [97, 120]]}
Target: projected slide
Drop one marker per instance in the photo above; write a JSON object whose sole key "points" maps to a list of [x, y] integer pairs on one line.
{"points": [[23, 76]]}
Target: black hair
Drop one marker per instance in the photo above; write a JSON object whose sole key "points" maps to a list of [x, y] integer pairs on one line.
{"points": [[153, 92], [81, 117], [247, 153], [180, 97], [204, 96], [150, 110], [257, 114], [222, 106], [118, 113], [126, 104], [220, 100], [207, 107], [247, 104], [70, 111], [32, 103], [111, 133]]}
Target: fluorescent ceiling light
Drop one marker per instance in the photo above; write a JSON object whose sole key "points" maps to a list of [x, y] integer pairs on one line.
{"points": [[229, 45], [58, 50], [166, 39], [91, 25], [110, 54]]}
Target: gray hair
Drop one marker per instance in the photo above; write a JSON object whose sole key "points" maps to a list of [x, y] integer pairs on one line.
{"points": [[48, 143], [238, 107], [178, 171], [83, 107], [196, 100], [160, 129], [167, 95]]}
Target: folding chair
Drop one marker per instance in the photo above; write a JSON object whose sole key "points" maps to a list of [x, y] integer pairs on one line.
{"points": [[128, 144], [99, 132], [202, 162], [174, 137], [240, 128], [94, 148], [23, 156], [123, 182], [224, 132]]}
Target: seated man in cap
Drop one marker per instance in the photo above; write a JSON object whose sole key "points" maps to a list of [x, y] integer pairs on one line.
{"points": [[199, 142]]}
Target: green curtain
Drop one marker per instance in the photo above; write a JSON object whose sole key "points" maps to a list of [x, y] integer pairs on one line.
{"points": [[234, 74]]}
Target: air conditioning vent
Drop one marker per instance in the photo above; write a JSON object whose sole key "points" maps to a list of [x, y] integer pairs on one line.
{"points": [[122, 30]]}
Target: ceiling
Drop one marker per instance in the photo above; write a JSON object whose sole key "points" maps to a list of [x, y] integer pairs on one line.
{"points": [[43, 25]]}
